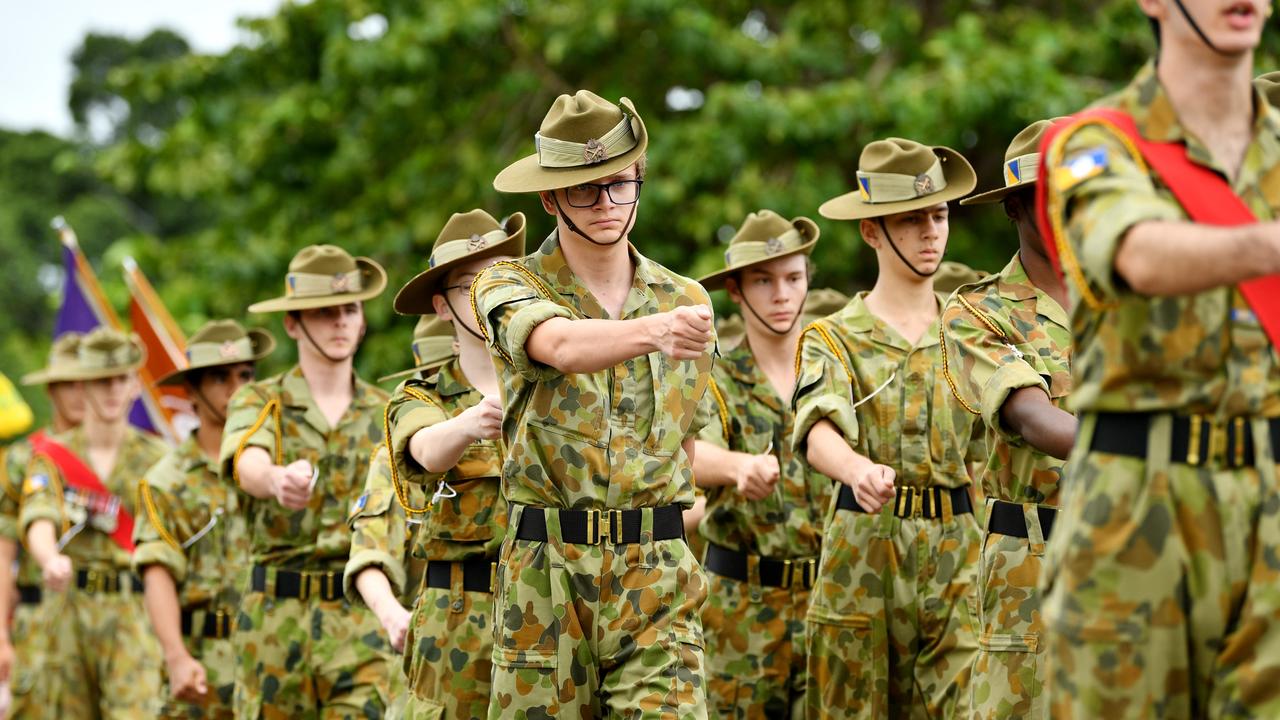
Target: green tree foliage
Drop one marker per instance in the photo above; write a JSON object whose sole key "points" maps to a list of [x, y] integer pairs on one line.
{"points": [[367, 122]]}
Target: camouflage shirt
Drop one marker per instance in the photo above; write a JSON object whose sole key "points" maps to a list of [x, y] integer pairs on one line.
{"points": [[1002, 334], [754, 420], [465, 515], [608, 439], [280, 416], [1202, 353], [13, 468], [190, 523], [382, 534], [46, 496], [908, 419]]}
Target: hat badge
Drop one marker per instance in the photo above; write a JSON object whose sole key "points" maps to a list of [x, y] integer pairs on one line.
{"points": [[594, 152], [476, 242], [228, 350], [772, 246], [339, 283], [923, 184]]}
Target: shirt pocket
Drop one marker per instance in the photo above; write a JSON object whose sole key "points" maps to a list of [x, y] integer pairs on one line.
{"points": [[469, 514]]}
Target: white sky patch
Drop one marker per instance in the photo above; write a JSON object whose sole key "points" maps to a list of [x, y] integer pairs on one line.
{"points": [[37, 39]]}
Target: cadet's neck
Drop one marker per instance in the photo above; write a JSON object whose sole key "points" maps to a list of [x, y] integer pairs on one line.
{"points": [[60, 423], [1213, 97], [102, 434], [209, 436], [776, 356], [605, 270], [477, 364], [325, 378], [908, 305], [1039, 270]]}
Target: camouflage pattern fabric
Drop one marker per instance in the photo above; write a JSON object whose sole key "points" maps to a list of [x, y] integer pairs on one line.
{"points": [[755, 635], [598, 630], [449, 648], [1161, 576], [1002, 334], [29, 678], [891, 621], [105, 660], [306, 658], [192, 527], [579, 630], [610, 439]]}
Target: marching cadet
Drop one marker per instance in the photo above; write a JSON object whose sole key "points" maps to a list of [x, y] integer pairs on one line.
{"points": [[192, 546], [300, 444], [763, 521], [444, 429], [1007, 344], [1162, 204], [29, 680], [604, 357], [77, 516], [890, 628]]}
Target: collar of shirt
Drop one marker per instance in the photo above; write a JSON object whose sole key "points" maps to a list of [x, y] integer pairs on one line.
{"points": [[856, 317], [741, 365], [1013, 284], [551, 265], [450, 380], [295, 393]]}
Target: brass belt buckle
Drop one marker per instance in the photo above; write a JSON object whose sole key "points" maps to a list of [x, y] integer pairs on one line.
{"points": [[327, 586], [304, 586], [786, 573], [222, 624], [1238, 446], [1193, 438]]}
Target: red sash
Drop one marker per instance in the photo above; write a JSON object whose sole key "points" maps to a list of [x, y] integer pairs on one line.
{"points": [[81, 477], [1204, 195]]}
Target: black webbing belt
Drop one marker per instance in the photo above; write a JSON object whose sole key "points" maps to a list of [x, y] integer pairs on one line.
{"points": [[1008, 519], [592, 527], [478, 574], [293, 585], [914, 502], [1196, 439], [735, 565]]}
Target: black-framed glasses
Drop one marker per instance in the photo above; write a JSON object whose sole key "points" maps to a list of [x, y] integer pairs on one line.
{"points": [[621, 192]]}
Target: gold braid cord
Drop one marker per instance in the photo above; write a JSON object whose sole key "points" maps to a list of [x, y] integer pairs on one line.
{"points": [[146, 500], [270, 410], [1057, 204], [6, 483], [402, 496], [534, 280], [946, 371], [830, 342], [722, 408]]}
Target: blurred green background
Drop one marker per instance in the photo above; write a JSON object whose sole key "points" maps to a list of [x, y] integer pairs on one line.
{"points": [[366, 123]]}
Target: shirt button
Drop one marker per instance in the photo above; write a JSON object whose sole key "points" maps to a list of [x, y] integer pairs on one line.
{"points": [[457, 605]]}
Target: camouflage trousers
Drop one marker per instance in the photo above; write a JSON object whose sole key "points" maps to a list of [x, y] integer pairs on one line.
{"points": [[1163, 596], [219, 659], [449, 653], [891, 621], [598, 630], [755, 649], [30, 683], [310, 659], [102, 661], [1009, 672]]}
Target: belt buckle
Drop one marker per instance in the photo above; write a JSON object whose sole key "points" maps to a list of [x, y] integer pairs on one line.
{"points": [[94, 582], [604, 524], [493, 577], [786, 573], [810, 572], [1195, 429], [221, 624], [1218, 442], [328, 585], [903, 508], [304, 586], [1237, 448]]}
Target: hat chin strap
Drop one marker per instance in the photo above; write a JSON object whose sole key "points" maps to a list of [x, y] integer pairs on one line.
{"points": [[1196, 26], [885, 229], [219, 417], [335, 360], [462, 322], [766, 323], [569, 223]]}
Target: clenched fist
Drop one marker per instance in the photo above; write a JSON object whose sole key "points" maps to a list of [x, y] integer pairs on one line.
{"points": [[757, 476], [872, 485], [291, 484], [484, 419], [683, 333]]}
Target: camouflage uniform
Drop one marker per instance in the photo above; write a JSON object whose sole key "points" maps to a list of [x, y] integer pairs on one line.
{"points": [[604, 628], [382, 537], [890, 624], [1002, 334], [1163, 575], [755, 633], [449, 650], [29, 681], [97, 630], [194, 529], [315, 655]]}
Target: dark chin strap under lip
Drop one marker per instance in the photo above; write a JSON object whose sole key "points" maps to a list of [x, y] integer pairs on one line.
{"points": [[885, 229], [462, 322], [769, 325], [626, 229], [219, 417], [302, 324], [1196, 26]]}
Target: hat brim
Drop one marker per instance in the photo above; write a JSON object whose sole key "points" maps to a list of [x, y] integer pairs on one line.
{"points": [[373, 279], [999, 194], [415, 297], [263, 345], [526, 175], [425, 367], [808, 230], [960, 177], [84, 374], [44, 376]]}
